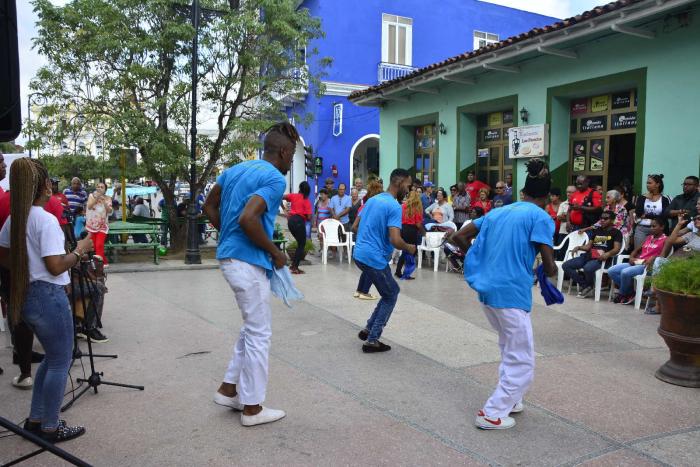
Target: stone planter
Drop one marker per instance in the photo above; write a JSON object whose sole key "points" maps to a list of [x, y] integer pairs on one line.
{"points": [[680, 328]]}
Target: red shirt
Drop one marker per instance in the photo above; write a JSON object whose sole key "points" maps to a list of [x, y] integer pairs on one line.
{"points": [[416, 219], [300, 206], [485, 205], [473, 190], [4, 207], [576, 215], [55, 207], [552, 211]]}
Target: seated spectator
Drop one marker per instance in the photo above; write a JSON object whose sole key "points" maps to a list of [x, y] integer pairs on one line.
{"points": [[141, 210], [483, 202], [440, 211], [622, 221], [502, 198], [640, 260], [453, 192], [605, 244], [454, 254]]}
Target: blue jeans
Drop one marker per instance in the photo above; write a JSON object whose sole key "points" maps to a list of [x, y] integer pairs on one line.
{"points": [[623, 276], [589, 266], [47, 312], [364, 284], [389, 291]]}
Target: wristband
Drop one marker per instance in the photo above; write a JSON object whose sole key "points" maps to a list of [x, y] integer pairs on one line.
{"points": [[78, 255]]}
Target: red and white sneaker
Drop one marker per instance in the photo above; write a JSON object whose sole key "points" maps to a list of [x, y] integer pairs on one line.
{"points": [[485, 423], [517, 408]]}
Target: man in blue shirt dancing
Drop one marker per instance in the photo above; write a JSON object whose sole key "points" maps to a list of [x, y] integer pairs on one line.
{"points": [[499, 266], [378, 234], [242, 206]]}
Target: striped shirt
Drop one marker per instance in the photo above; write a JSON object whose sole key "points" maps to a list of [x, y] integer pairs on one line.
{"points": [[75, 198]]}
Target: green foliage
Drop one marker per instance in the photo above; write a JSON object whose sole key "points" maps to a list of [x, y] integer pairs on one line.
{"points": [[309, 247], [67, 166], [121, 69], [681, 276]]}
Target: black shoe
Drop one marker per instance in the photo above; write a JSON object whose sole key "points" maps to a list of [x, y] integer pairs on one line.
{"points": [[36, 358], [96, 336], [375, 347], [80, 333], [363, 335], [62, 433], [618, 298], [35, 427]]}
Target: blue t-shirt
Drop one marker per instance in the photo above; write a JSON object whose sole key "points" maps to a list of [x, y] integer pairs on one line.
{"points": [[499, 264], [238, 184], [373, 247], [79, 226], [502, 200], [339, 205]]}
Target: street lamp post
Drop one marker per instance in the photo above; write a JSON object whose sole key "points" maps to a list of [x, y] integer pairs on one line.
{"points": [[193, 255]]}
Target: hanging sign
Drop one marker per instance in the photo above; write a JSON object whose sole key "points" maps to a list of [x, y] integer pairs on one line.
{"points": [[623, 120], [337, 119], [495, 119], [593, 124], [579, 106], [528, 141], [621, 100], [599, 103]]}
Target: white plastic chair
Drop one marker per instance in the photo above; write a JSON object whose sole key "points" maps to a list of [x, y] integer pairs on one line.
{"points": [[603, 270], [329, 232], [431, 244], [574, 239]]}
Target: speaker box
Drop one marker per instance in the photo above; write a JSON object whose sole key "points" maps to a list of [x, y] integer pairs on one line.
{"points": [[10, 108]]}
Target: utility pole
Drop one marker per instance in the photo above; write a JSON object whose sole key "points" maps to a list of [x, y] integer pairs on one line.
{"points": [[193, 255]]}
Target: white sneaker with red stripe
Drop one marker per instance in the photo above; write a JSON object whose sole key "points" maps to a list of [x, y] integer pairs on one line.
{"points": [[485, 423], [517, 408]]}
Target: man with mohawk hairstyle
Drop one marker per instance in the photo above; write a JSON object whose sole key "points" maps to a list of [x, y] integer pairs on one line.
{"points": [[499, 266]]}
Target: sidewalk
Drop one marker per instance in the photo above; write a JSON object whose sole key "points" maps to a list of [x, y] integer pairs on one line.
{"points": [[595, 400]]}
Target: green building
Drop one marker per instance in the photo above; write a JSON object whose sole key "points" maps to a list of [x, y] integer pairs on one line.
{"points": [[612, 93]]}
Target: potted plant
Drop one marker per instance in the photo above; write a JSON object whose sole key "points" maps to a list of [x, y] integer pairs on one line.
{"points": [[677, 287], [292, 248]]}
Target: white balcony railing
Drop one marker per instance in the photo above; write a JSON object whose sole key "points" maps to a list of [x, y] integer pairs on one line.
{"points": [[301, 89], [389, 71]]}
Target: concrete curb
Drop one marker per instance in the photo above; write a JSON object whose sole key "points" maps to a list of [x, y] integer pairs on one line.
{"points": [[153, 268]]}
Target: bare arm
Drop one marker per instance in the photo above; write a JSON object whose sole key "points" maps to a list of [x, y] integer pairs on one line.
{"points": [[251, 224], [398, 243], [676, 237], [211, 206], [59, 264], [547, 255], [462, 237], [634, 254], [615, 250]]}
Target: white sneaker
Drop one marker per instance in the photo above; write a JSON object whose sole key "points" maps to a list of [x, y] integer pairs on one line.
{"points": [[356, 294], [232, 402], [517, 408], [264, 416], [485, 423], [366, 296], [25, 383]]}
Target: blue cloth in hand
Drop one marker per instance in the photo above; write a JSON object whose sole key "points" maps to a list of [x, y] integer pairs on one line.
{"points": [[282, 285], [409, 265], [550, 293]]}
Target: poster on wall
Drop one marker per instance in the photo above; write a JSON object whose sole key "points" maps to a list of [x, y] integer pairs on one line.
{"points": [[495, 119], [599, 103], [579, 163], [580, 148], [492, 135], [528, 141], [593, 124], [507, 117], [579, 106], [337, 119], [621, 100], [623, 120], [482, 152], [597, 155]]}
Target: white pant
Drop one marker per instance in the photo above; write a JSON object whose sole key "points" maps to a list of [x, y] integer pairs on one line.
{"points": [[517, 359], [248, 367]]}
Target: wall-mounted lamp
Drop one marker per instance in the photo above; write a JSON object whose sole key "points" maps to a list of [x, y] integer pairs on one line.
{"points": [[524, 115], [443, 129]]}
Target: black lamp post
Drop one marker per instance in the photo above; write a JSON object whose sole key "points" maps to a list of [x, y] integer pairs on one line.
{"points": [[193, 255]]}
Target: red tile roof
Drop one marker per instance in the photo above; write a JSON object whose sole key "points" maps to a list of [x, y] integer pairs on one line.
{"points": [[586, 15]]}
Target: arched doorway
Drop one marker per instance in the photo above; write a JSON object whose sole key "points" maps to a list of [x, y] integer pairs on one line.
{"points": [[364, 158], [297, 173]]}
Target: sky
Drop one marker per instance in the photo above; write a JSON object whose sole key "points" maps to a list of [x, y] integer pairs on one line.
{"points": [[30, 60]]}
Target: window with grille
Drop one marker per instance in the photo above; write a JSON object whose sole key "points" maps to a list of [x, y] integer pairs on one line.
{"points": [[397, 39], [482, 39]]}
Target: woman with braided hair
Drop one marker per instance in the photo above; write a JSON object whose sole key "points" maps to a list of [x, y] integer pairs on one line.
{"points": [[32, 247], [499, 268]]}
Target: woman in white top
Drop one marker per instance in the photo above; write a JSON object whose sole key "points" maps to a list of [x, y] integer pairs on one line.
{"points": [[443, 206], [32, 247], [99, 207], [654, 202]]}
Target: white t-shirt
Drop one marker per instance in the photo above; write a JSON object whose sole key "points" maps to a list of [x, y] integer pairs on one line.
{"points": [[563, 209], [651, 207], [44, 238]]}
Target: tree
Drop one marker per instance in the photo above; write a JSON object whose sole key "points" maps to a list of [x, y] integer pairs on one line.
{"points": [[124, 65]]}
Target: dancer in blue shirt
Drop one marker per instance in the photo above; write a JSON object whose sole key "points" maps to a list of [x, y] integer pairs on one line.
{"points": [[499, 266]]}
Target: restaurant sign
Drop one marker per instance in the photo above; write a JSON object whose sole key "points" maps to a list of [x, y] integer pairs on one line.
{"points": [[528, 141], [623, 120], [593, 124]]}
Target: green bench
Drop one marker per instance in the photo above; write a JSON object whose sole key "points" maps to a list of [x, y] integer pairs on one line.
{"points": [[120, 229]]}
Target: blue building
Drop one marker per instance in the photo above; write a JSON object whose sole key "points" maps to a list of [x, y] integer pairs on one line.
{"points": [[373, 41]]}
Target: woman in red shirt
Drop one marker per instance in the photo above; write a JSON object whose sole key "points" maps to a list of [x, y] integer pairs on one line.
{"points": [[483, 202], [411, 225], [299, 214], [553, 207]]}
